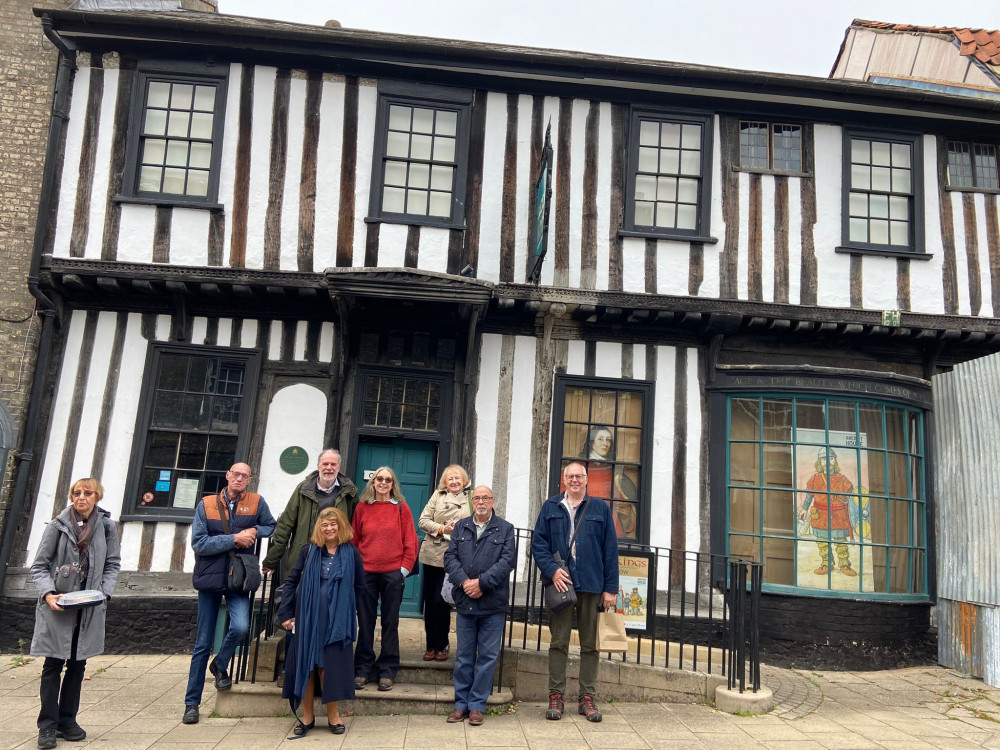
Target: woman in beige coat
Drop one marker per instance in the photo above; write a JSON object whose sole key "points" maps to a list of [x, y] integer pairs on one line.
{"points": [[450, 503]]}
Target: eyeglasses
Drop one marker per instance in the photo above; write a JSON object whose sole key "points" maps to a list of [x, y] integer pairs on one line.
{"points": [[240, 475], [575, 476], [83, 493], [329, 526], [481, 498], [387, 480]]}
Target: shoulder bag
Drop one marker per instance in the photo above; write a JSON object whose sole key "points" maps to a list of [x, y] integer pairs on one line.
{"points": [[243, 574], [555, 600]]}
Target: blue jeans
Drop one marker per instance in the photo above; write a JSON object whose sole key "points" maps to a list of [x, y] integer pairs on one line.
{"points": [[479, 641], [208, 615]]}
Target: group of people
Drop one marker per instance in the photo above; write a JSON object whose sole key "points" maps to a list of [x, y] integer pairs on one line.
{"points": [[350, 556]]}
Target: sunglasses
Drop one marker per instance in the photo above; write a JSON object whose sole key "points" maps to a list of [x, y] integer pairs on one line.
{"points": [[83, 493], [387, 480]]}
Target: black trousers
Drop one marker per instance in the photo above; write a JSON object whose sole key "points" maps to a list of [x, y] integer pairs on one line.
{"points": [[61, 694], [387, 589], [437, 613]]}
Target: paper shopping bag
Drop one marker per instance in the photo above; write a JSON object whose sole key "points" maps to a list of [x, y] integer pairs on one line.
{"points": [[611, 631]]}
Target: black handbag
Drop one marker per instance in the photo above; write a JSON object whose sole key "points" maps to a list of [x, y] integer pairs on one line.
{"points": [[555, 600], [243, 573]]}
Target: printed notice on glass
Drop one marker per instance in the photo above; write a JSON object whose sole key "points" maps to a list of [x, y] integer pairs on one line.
{"points": [[186, 495]]}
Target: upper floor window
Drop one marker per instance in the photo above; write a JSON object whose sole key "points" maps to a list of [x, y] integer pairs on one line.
{"points": [[175, 137], [421, 150], [771, 146], [193, 426], [669, 175], [972, 165], [882, 196]]}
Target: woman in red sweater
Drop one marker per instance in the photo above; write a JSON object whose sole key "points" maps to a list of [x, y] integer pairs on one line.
{"points": [[387, 540]]}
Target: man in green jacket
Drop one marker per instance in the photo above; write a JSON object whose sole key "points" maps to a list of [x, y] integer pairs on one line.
{"points": [[323, 488]]}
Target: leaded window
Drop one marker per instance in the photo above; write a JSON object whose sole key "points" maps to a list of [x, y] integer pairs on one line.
{"points": [[402, 402], [829, 493], [972, 165], [771, 146]]}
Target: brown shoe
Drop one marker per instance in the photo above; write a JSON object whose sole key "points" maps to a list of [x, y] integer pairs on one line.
{"points": [[430, 654], [456, 716], [822, 570], [442, 655], [475, 718], [847, 570]]}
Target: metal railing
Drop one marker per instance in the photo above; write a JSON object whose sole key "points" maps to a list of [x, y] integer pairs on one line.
{"points": [[704, 614]]}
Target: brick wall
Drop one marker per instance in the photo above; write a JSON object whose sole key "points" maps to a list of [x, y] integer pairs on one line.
{"points": [[27, 71]]}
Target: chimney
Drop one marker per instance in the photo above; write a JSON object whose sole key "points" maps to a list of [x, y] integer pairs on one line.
{"points": [[201, 6]]}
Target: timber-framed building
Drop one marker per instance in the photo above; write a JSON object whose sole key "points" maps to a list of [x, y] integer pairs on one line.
{"points": [[270, 237]]}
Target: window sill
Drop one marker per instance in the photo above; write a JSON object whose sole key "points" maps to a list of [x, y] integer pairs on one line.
{"points": [[167, 516], [772, 172], [885, 253], [959, 189], [169, 202], [651, 235], [414, 221]]}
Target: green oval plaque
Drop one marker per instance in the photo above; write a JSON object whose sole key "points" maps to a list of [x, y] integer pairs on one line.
{"points": [[293, 460]]}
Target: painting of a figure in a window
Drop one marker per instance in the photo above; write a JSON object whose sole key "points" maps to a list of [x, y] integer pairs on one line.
{"points": [[833, 512], [608, 481]]}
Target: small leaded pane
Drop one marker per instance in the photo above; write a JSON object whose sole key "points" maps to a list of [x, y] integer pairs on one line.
{"points": [[753, 145], [787, 143], [986, 166]]}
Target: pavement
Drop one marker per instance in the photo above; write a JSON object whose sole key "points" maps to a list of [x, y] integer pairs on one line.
{"points": [[136, 702]]}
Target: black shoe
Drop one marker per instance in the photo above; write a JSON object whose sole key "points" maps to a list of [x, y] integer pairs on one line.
{"points": [[47, 739], [222, 679], [586, 708], [190, 715], [71, 731], [556, 707], [302, 729], [338, 728]]}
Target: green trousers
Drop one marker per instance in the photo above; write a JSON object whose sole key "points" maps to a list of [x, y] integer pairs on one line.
{"points": [[560, 627]]}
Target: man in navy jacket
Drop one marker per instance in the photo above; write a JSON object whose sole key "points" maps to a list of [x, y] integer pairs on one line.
{"points": [[479, 561], [593, 572]]}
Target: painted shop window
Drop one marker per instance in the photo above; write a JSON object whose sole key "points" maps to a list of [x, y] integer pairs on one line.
{"points": [[175, 137], [195, 425], [401, 402], [669, 175], [882, 180], [829, 493], [771, 146], [972, 165], [421, 151], [605, 425]]}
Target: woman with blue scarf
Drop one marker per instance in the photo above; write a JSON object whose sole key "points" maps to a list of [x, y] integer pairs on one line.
{"points": [[319, 609]]}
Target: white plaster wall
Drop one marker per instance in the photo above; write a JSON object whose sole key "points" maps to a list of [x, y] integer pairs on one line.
{"points": [[248, 336], [224, 337], [300, 340], [927, 277], [639, 362], [492, 192], [522, 228], [661, 475], [604, 156], [293, 175], [984, 257], [795, 240], [260, 163], [961, 254], [367, 105], [102, 165], [392, 245], [487, 408], [97, 379], [742, 240], [199, 329], [608, 360], [230, 140], [519, 466], [329, 153], [296, 416], [131, 543], [711, 284], [326, 333], [189, 236], [833, 269], [71, 162], [578, 153], [768, 251], [61, 402], [433, 255], [695, 445], [135, 233], [633, 264], [274, 340], [575, 355], [673, 266]]}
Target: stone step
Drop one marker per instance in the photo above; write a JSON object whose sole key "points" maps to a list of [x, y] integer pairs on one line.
{"points": [[264, 699]]}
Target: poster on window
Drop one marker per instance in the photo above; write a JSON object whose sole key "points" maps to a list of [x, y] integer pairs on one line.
{"points": [[636, 586], [833, 513]]}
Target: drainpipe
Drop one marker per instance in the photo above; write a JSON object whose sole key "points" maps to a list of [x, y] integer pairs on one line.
{"points": [[46, 307]]}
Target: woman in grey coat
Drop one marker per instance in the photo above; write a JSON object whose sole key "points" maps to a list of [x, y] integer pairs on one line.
{"points": [[79, 550]]}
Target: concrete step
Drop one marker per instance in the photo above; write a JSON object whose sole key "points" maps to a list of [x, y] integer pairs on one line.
{"points": [[264, 699]]}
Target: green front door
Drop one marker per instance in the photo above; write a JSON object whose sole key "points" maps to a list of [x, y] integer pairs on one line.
{"points": [[413, 463]]}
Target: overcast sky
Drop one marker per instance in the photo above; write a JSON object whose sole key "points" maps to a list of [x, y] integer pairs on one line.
{"points": [[797, 36]]}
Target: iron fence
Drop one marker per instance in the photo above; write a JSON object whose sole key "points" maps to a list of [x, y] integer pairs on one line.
{"points": [[701, 613]]}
